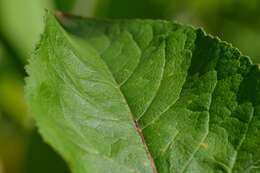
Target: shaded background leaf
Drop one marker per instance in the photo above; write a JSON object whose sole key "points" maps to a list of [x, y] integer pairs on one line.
{"points": [[41, 158], [65, 5], [21, 23]]}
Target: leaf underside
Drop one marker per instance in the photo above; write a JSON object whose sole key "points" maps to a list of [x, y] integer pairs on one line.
{"points": [[139, 96]]}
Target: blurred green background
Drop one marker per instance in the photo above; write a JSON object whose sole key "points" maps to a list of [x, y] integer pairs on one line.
{"points": [[21, 21]]}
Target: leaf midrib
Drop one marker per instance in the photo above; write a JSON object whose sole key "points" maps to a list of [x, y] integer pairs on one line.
{"points": [[130, 113], [135, 123]]}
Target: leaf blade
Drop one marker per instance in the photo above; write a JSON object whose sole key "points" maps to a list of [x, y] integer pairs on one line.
{"points": [[186, 90], [98, 146]]}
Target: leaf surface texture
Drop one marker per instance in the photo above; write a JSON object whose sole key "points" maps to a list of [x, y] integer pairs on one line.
{"points": [[144, 96]]}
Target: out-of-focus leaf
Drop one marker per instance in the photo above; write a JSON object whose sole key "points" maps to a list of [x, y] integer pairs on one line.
{"points": [[12, 101], [84, 8], [1, 166], [132, 8], [21, 22], [12, 145], [40, 157], [65, 5], [144, 96]]}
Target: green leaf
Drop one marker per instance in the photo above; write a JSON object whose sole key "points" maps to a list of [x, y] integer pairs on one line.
{"points": [[38, 153], [144, 96], [12, 101], [65, 5], [132, 8], [21, 23]]}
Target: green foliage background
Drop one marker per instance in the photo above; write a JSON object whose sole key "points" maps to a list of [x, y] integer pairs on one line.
{"points": [[21, 22]]}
